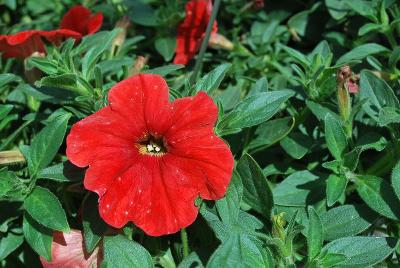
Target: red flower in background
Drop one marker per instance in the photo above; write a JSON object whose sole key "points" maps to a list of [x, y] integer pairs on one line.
{"points": [[191, 30], [149, 158], [67, 250], [78, 21], [81, 20], [24, 44]]}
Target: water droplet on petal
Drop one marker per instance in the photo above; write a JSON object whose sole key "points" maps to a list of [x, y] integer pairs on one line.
{"points": [[126, 213]]}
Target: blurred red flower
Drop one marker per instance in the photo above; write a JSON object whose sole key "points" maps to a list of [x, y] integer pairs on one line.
{"points": [[148, 158], [80, 19], [67, 250], [24, 44], [191, 31]]}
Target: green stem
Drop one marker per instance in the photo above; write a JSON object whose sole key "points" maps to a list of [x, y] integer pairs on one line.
{"points": [[185, 243], [204, 44]]}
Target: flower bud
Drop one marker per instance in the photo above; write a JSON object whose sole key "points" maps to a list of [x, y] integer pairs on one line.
{"points": [[119, 40], [218, 41], [138, 65]]}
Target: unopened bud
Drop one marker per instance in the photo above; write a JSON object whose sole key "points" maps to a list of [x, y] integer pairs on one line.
{"points": [[218, 41], [138, 65], [123, 24]]}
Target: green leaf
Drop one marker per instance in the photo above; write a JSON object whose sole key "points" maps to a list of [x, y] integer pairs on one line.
{"points": [[335, 187], [253, 110], [369, 27], [62, 172], [315, 234], [141, 13], [93, 226], [361, 52], [378, 93], [240, 251], [95, 52], [45, 208], [335, 137], [266, 137], [8, 78], [378, 195], [396, 179], [332, 260], [362, 251], [320, 111], [166, 47], [46, 143], [350, 159], [346, 220], [10, 185], [256, 191], [337, 8], [211, 81], [9, 243], [229, 206], [297, 55], [299, 189], [164, 70], [260, 86], [296, 144], [38, 237], [388, 115], [63, 81], [121, 252]]}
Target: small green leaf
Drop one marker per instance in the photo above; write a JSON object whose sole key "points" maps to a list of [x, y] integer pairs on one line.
{"points": [[253, 110], [45, 208], [266, 137], [361, 52], [361, 251], [62, 172], [240, 251], [46, 143], [335, 137], [378, 195], [346, 220], [211, 81], [299, 189], [296, 144], [335, 187], [38, 237], [119, 252], [256, 191], [9, 243], [141, 13], [315, 234], [166, 47]]}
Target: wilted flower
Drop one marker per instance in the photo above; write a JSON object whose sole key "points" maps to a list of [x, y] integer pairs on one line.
{"points": [[149, 158]]}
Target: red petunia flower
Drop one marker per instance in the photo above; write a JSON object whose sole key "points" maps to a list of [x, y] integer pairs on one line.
{"points": [[149, 158], [67, 250], [81, 20], [191, 30], [24, 44]]}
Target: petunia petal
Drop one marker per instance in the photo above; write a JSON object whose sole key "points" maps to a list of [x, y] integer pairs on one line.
{"points": [[68, 251], [102, 135], [141, 99], [151, 195]]}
